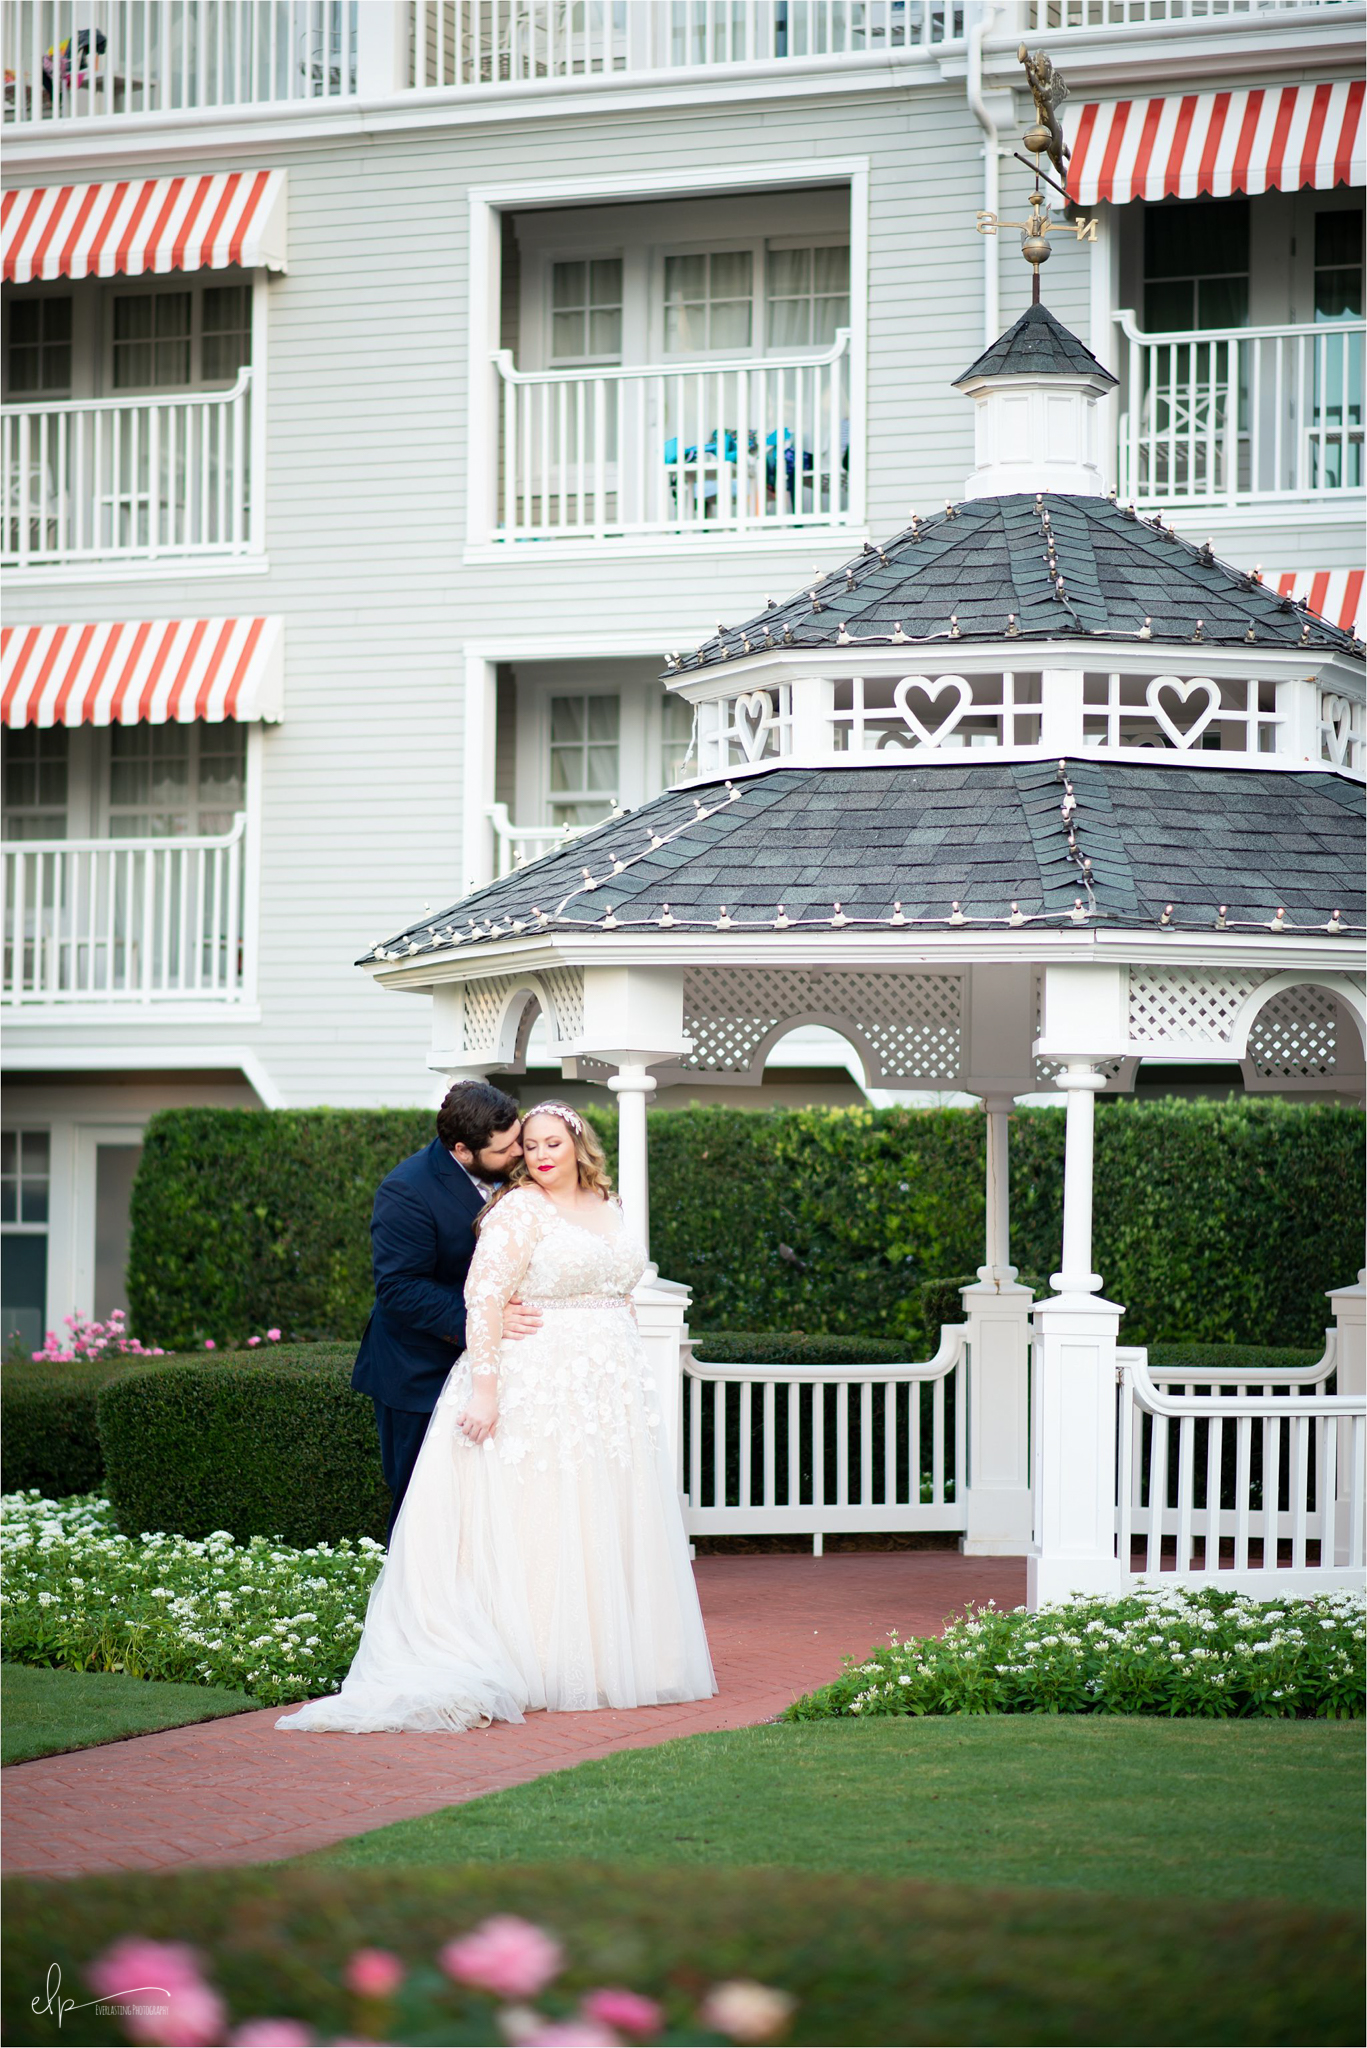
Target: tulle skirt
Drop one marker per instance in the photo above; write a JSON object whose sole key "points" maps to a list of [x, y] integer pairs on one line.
{"points": [[545, 1568]]}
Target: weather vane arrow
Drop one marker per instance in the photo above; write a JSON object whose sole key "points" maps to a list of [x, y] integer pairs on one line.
{"points": [[1045, 138]]}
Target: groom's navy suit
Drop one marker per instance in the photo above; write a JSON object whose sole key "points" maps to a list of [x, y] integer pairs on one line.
{"points": [[422, 1241]]}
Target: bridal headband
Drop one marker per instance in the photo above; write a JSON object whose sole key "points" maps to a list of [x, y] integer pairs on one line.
{"points": [[560, 1109]]}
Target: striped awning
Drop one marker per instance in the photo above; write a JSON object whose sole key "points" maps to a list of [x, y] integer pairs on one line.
{"points": [[1213, 144], [134, 225], [1336, 594], [142, 671]]}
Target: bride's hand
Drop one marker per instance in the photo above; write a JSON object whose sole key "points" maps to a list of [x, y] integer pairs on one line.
{"points": [[479, 1418]]}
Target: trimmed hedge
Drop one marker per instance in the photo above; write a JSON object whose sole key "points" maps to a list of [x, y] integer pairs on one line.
{"points": [[281, 1447], [51, 1437], [1217, 1221]]}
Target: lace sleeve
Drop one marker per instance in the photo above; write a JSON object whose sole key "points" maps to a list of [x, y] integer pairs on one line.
{"points": [[503, 1248]]}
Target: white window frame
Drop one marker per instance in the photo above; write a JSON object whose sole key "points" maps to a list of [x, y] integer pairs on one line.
{"points": [[574, 254], [193, 284], [487, 203]]}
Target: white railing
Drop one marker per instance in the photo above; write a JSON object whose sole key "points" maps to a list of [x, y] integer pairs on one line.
{"points": [[750, 445], [125, 920], [516, 845], [77, 60], [1052, 17], [1240, 415], [1258, 1481], [134, 479], [824, 1449], [465, 44]]}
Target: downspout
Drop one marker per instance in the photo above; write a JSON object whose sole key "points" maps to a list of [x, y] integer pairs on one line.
{"points": [[991, 168]]}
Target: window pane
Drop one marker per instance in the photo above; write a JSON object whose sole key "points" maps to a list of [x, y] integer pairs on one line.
{"points": [[567, 719], [731, 326], [567, 334], [226, 330], [172, 314], [832, 270], [789, 323], [828, 318], [1338, 238], [602, 768], [685, 328], [1195, 238], [1170, 308], [133, 317], [731, 274], [567, 284], [605, 334], [605, 281], [33, 1201], [604, 718], [24, 319], [23, 370], [790, 270], [565, 766], [1222, 302], [1338, 294], [173, 361], [685, 277]]}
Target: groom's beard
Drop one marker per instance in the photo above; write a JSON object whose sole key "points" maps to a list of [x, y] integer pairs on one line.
{"points": [[497, 1176]]}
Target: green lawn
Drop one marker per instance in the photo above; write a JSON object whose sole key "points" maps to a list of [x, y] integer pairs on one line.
{"points": [[45, 1712], [1136, 1807]]}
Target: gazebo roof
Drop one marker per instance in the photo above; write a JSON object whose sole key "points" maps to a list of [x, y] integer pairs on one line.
{"points": [[985, 835], [1038, 345], [981, 570]]}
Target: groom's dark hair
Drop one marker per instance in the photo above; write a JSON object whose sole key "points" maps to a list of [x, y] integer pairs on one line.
{"points": [[472, 1112]]}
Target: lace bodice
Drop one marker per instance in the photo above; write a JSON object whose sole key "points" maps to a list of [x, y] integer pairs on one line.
{"points": [[526, 1247]]}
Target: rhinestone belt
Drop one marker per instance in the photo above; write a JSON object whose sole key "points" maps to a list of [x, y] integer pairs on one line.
{"points": [[573, 1300]]}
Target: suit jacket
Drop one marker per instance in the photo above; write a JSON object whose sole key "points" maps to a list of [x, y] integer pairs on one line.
{"points": [[423, 1241]]}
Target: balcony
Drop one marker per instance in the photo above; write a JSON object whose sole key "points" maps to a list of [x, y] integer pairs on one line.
{"points": [[748, 446], [1240, 417], [127, 479], [125, 921], [1058, 17], [516, 846]]}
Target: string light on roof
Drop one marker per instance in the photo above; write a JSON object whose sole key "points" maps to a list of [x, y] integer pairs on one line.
{"points": [[897, 917]]}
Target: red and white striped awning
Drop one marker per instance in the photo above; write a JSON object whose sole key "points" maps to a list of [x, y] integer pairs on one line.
{"points": [[1213, 144], [142, 671], [132, 225], [1336, 594]]}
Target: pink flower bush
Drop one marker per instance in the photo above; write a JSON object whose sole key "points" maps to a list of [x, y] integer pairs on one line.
{"points": [[746, 2011], [89, 1339], [272, 2034], [165, 1976], [272, 1336], [630, 2014], [373, 1973], [505, 1955]]}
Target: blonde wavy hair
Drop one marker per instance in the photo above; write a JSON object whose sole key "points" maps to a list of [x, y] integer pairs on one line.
{"points": [[589, 1155]]}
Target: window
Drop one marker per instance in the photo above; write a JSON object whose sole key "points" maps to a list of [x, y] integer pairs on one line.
{"points": [[164, 340], [36, 772], [586, 311], [1336, 434], [585, 758], [708, 301], [25, 1180], [1338, 265], [1195, 265], [808, 296], [38, 353], [174, 781], [677, 758]]}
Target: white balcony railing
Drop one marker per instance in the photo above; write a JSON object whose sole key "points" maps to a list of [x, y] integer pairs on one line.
{"points": [[743, 446], [127, 478], [78, 60], [1242, 415], [516, 846], [125, 920], [465, 44], [1050, 17]]}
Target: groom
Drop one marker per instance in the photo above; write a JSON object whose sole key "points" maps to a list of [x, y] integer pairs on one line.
{"points": [[422, 1242]]}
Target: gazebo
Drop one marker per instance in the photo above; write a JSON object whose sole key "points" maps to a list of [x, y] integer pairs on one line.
{"points": [[1033, 792]]}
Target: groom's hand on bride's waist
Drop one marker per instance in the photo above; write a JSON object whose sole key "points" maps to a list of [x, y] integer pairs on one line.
{"points": [[520, 1321]]}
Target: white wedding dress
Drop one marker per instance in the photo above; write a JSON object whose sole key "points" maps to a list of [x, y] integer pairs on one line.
{"points": [[548, 1566]]}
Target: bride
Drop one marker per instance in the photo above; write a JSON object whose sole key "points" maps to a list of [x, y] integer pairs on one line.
{"points": [[539, 1558]]}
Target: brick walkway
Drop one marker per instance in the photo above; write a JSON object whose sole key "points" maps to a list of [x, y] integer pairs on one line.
{"points": [[241, 1791]]}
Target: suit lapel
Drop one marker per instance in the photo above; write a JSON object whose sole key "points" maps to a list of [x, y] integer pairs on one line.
{"points": [[457, 1184]]}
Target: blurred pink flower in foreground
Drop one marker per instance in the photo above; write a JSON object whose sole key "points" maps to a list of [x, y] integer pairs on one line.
{"points": [[272, 2034], [505, 1955], [567, 2034], [627, 2011], [746, 2011], [164, 1974], [273, 1336], [209, 1344], [373, 1973], [253, 1340]]}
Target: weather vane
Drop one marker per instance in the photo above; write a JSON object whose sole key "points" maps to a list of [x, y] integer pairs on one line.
{"points": [[1043, 138]]}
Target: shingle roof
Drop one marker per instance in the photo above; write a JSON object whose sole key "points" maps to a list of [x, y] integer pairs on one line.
{"points": [[985, 834], [1038, 345], [982, 569]]}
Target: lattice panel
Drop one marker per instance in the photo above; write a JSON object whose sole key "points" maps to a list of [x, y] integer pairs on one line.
{"points": [[484, 1006], [565, 987], [1295, 1036], [1172, 1007], [912, 1023]]}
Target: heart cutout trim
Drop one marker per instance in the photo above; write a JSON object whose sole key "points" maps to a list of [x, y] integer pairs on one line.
{"points": [[751, 711], [931, 735], [1183, 691]]}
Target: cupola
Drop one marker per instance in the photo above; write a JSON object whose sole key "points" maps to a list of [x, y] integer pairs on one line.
{"points": [[1037, 426]]}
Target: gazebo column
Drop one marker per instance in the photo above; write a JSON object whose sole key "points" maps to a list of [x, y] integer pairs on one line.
{"points": [[997, 1313], [633, 1086], [1350, 1322], [1074, 1407]]}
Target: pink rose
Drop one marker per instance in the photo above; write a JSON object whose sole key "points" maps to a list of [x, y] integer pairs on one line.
{"points": [[274, 1336], [505, 1955], [209, 1344], [253, 1340], [747, 2011], [569, 2034], [188, 2013], [272, 2034], [627, 2011], [373, 1973]]}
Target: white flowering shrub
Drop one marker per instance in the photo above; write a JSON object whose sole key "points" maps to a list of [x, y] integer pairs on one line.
{"points": [[257, 1617], [1153, 1651]]}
